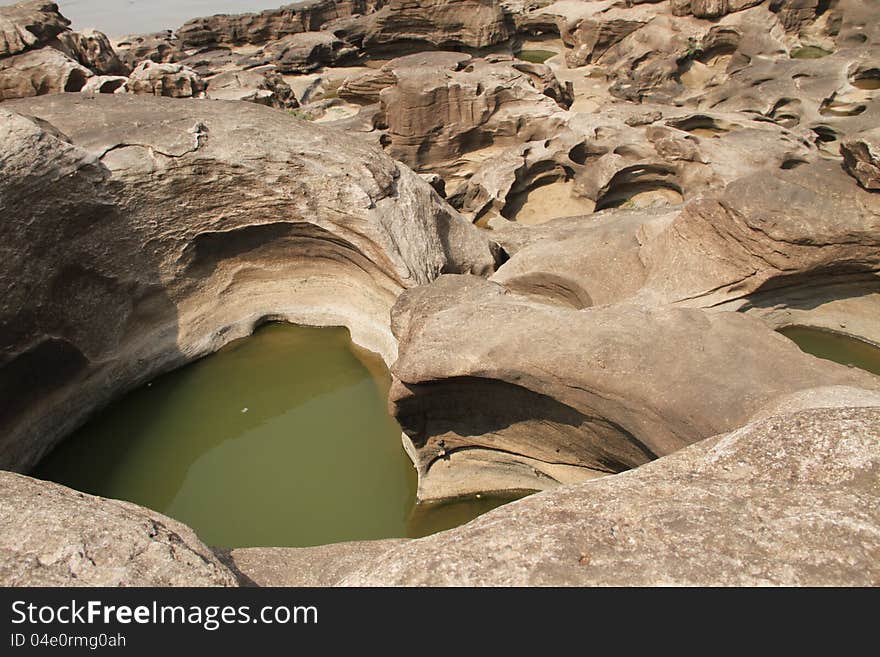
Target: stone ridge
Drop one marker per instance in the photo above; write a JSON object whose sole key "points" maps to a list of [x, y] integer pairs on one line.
{"points": [[785, 501]]}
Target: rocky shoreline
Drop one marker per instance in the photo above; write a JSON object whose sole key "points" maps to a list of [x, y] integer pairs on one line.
{"points": [[575, 271]]}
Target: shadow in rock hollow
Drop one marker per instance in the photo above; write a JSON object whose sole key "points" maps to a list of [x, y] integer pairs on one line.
{"points": [[85, 314]]}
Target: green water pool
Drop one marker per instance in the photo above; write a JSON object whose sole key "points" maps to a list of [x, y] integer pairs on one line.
{"points": [[835, 346], [809, 52], [280, 439], [535, 56]]}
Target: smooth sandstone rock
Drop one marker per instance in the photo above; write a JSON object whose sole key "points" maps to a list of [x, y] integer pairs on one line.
{"points": [[698, 172], [533, 395], [786, 501], [259, 28], [104, 84], [324, 565], [471, 23], [764, 238], [142, 233], [51, 535], [443, 105]]}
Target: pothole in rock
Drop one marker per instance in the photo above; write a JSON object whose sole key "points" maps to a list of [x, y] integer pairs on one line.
{"points": [[702, 125], [647, 196], [639, 187], [280, 439], [836, 347], [867, 79], [546, 201], [808, 52], [535, 56], [841, 108]]}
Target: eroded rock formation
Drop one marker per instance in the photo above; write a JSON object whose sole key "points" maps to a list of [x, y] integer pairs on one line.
{"points": [[786, 500], [704, 172], [533, 395], [145, 253], [27, 25], [55, 536]]}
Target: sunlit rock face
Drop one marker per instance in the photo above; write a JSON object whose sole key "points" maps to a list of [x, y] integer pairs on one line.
{"points": [[175, 226], [55, 536], [789, 500], [663, 191]]}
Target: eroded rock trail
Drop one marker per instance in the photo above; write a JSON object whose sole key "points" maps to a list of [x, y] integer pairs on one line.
{"points": [[571, 229]]}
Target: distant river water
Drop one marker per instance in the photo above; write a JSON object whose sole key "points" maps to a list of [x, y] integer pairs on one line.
{"points": [[117, 18]]}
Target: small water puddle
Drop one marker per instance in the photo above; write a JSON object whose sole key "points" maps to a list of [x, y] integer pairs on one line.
{"points": [[280, 439], [835, 346], [535, 56], [809, 52]]}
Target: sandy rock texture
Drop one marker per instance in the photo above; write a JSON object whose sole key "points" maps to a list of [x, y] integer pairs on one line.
{"points": [[158, 47], [27, 25], [470, 23], [788, 500], [572, 229], [861, 158], [324, 565], [534, 395], [766, 236], [271, 24], [55, 536], [39, 54], [170, 227], [173, 80], [262, 88]]}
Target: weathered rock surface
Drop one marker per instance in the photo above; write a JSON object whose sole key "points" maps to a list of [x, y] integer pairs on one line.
{"points": [[324, 565], [861, 158], [38, 72], [39, 54], [51, 535], [172, 80], [93, 50], [609, 163], [159, 47], [785, 501], [140, 233], [259, 28], [104, 84], [306, 51], [471, 23], [443, 105], [765, 236], [262, 88], [705, 172], [31, 24], [534, 395]]}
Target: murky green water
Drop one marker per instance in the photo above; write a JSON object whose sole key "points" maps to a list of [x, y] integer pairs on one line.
{"points": [[535, 56], [834, 346], [281, 439], [809, 52]]}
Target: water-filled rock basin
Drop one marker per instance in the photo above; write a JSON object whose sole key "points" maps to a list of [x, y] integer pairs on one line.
{"points": [[280, 439], [837, 347], [535, 56]]}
